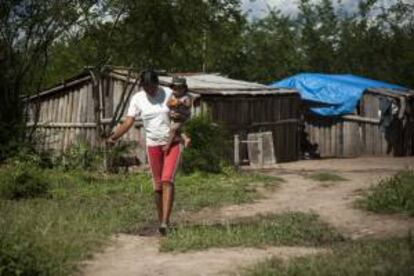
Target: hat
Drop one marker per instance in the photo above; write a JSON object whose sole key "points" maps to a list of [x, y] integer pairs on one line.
{"points": [[178, 81]]}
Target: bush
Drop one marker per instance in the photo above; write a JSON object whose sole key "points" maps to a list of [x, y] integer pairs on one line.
{"points": [[210, 148], [28, 156], [392, 195], [81, 155], [23, 182]]}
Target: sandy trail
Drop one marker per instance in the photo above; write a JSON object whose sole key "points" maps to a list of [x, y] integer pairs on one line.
{"points": [[334, 204], [134, 255]]}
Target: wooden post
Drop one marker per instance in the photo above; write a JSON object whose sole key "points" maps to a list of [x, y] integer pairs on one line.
{"points": [[260, 147], [236, 151]]}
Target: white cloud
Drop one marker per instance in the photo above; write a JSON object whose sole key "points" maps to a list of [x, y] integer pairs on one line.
{"points": [[259, 8]]}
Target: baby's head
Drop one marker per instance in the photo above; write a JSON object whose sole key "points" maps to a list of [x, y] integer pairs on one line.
{"points": [[179, 86]]}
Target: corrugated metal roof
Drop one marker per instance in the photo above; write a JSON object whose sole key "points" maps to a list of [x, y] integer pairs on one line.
{"points": [[198, 83], [214, 81], [214, 84]]}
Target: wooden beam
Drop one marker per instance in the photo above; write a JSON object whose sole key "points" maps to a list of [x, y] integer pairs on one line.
{"points": [[389, 93], [57, 88], [287, 121], [74, 124], [357, 118]]}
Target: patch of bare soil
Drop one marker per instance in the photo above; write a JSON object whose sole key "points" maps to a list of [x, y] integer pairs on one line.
{"points": [[134, 255]]}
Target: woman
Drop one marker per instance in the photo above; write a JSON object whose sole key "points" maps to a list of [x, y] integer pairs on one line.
{"points": [[151, 105]]}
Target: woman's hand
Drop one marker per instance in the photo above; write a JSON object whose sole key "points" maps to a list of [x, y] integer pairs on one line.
{"points": [[111, 141], [120, 130]]}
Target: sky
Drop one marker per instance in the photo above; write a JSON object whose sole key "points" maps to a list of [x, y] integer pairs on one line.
{"points": [[259, 8]]}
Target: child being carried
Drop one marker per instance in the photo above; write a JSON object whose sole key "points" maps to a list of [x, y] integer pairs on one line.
{"points": [[180, 111]]}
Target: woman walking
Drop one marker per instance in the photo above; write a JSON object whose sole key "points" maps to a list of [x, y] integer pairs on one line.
{"points": [[150, 104]]}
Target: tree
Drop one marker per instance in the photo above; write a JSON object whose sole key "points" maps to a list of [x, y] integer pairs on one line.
{"points": [[27, 30], [272, 49]]}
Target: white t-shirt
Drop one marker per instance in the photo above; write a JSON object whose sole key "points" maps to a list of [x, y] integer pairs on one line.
{"points": [[154, 114]]}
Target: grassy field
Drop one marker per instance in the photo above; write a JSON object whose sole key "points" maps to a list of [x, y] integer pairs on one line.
{"points": [[284, 229], [47, 232], [391, 195], [367, 257]]}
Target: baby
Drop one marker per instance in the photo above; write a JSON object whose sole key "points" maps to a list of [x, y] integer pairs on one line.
{"points": [[180, 111]]}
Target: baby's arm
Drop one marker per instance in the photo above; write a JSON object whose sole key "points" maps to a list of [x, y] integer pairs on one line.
{"points": [[186, 139]]}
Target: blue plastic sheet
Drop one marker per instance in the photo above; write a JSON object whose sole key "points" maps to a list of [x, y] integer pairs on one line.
{"points": [[335, 94]]}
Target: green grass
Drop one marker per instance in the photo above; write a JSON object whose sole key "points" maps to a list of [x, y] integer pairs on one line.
{"points": [[283, 229], [369, 257], [391, 195], [326, 177], [49, 235], [200, 190]]}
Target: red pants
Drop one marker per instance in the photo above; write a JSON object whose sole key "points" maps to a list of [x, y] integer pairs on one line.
{"points": [[163, 165]]}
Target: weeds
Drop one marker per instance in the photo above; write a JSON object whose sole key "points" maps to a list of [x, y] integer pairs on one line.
{"points": [[210, 146], [283, 229], [49, 235], [391, 195], [23, 182], [368, 257]]}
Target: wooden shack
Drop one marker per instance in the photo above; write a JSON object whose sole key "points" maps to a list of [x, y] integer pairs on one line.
{"points": [[359, 134], [86, 106]]}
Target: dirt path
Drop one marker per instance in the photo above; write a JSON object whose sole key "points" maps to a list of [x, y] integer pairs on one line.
{"points": [[334, 204], [134, 255]]}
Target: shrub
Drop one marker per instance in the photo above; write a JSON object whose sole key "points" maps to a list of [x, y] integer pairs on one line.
{"points": [[392, 195], [210, 148], [28, 156], [81, 155], [23, 182]]}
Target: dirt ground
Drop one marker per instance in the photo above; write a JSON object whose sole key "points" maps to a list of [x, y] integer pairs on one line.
{"points": [[334, 202]]}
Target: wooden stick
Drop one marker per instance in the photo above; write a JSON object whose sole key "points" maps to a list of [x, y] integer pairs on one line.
{"points": [[236, 151], [357, 118]]}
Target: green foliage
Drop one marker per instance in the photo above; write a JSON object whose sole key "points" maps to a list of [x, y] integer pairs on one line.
{"points": [[367, 257], [210, 146], [28, 31], [271, 49], [49, 236], [23, 182], [199, 190], [283, 229], [392, 195], [81, 155]]}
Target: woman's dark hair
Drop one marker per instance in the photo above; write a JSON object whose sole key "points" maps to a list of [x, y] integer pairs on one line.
{"points": [[148, 77]]}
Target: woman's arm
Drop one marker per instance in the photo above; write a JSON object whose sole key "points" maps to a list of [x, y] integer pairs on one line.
{"points": [[120, 130]]}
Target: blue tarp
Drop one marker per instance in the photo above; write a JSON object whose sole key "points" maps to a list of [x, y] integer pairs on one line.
{"points": [[337, 94]]}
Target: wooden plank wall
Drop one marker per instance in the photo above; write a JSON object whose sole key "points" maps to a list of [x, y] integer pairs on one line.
{"points": [[68, 117], [373, 138], [62, 118], [349, 138], [334, 138], [248, 114]]}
